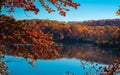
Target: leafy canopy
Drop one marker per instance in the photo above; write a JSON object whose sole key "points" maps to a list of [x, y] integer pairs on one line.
{"points": [[29, 5]]}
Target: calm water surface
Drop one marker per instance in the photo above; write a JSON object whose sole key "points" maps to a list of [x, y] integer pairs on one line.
{"points": [[20, 66], [77, 59]]}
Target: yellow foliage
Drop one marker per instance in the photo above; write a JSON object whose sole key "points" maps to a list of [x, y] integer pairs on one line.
{"points": [[118, 13]]}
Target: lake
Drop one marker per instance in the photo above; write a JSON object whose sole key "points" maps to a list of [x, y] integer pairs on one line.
{"points": [[76, 59]]}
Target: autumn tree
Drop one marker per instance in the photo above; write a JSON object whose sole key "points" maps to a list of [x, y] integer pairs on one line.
{"points": [[29, 5], [13, 32]]}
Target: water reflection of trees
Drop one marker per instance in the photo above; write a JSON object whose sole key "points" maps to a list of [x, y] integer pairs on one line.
{"points": [[82, 51], [90, 52], [3, 67], [23, 52], [87, 52]]}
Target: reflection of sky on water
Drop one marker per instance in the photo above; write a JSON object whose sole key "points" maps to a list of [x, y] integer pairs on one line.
{"points": [[72, 60], [20, 66]]}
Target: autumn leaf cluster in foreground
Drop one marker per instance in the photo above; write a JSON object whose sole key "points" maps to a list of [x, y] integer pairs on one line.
{"points": [[14, 32]]}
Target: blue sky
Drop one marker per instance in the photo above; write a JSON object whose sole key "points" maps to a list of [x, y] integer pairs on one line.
{"points": [[89, 10]]}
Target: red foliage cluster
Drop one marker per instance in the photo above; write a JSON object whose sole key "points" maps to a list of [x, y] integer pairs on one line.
{"points": [[3, 67], [29, 5], [1, 47], [16, 32], [111, 69]]}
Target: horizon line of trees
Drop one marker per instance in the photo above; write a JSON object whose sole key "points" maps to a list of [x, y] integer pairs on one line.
{"points": [[99, 34]]}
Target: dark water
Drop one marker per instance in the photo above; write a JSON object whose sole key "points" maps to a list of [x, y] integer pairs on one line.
{"points": [[91, 52], [77, 59]]}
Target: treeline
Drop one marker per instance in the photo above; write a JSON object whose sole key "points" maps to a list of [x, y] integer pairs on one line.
{"points": [[62, 31], [104, 32], [106, 22]]}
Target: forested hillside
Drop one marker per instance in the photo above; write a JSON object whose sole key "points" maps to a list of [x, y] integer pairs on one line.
{"points": [[104, 32]]}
